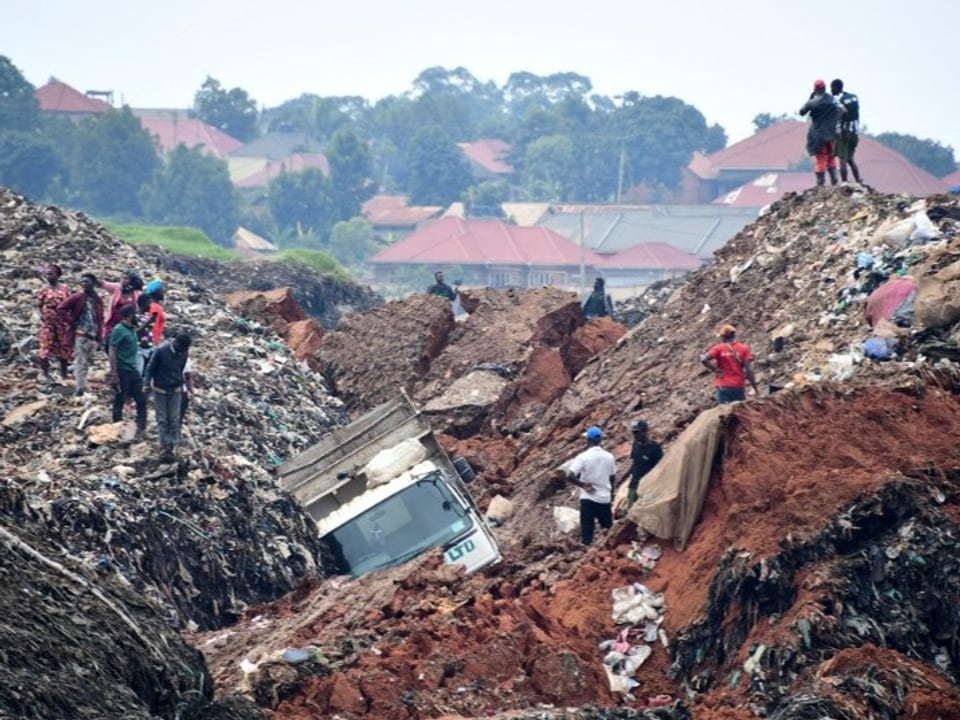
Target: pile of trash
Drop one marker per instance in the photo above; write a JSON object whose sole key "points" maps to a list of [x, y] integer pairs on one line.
{"points": [[326, 298], [204, 537]]}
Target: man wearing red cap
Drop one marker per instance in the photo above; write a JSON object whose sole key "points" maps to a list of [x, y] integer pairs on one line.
{"points": [[825, 113], [731, 364]]}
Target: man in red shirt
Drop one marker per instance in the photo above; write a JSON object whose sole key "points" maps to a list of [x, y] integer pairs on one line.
{"points": [[730, 362]]}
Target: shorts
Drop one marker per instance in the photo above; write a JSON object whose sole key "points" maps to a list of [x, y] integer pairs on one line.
{"points": [[846, 145], [825, 157], [730, 394]]}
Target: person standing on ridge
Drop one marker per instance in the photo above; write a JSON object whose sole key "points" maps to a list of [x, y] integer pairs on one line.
{"points": [[164, 375], [441, 288], [598, 302], [849, 129], [123, 293], [731, 363], [644, 455], [54, 329], [123, 368], [825, 114], [83, 314], [594, 471]]}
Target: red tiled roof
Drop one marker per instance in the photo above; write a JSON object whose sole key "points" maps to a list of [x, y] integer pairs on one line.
{"points": [[489, 154], [171, 129], [57, 96], [651, 255], [393, 211], [766, 189], [297, 162], [783, 144], [953, 179], [453, 240]]}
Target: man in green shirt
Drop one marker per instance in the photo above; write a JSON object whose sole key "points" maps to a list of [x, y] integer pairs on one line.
{"points": [[124, 378]]}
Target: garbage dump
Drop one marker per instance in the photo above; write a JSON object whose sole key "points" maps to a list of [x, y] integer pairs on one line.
{"points": [[813, 580], [206, 536]]}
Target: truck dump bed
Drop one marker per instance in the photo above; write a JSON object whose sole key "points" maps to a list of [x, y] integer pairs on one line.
{"points": [[330, 474]]}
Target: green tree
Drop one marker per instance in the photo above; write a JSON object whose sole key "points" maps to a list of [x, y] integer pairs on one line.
{"points": [[550, 166], [193, 189], [302, 203], [232, 111], [28, 162], [761, 121], [18, 103], [930, 155], [115, 157], [319, 117], [439, 171], [485, 199], [350, 169], [352, 241]]}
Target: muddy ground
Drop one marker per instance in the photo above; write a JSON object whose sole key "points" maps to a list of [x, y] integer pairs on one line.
{"points": [[819, 581]]}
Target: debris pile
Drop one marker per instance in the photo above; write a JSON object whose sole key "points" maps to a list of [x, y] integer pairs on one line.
{"points": [[206, 536], [325, 298]]}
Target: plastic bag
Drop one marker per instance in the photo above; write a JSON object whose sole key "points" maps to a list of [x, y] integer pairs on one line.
{"points": [[925, 230], [567, 519]]}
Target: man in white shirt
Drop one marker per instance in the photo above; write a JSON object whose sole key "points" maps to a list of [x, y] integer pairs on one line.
{"points": [[594, 471]]}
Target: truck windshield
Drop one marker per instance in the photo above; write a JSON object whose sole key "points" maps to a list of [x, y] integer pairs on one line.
{"points": [[398, 529]]}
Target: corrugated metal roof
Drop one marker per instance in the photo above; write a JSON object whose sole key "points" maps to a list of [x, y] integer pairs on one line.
{"points": [[696, 229], [57, 96], [278, 145], [645, 256], [393, 211], [452, 240], [258, 172], [952, 180], [525, 214], [766, 189], [244, 239]]}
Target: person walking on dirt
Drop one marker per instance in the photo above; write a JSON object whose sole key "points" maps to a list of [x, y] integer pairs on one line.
{"points": [[54, 329], [441, 288], [598, 302], [164, 375], [825, 114], [644, 455], [849, 129], [594, 471], [83, 314], [731, 363], [123, 368]]}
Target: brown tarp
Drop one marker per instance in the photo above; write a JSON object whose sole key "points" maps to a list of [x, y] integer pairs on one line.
{"points": [[670, 496]]}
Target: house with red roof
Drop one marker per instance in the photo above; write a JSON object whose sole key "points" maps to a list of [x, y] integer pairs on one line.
{"points": [[952, 180], [780, 148], [488, 159], [491, 253], [392, 218], [59, 99], [176, 127]]}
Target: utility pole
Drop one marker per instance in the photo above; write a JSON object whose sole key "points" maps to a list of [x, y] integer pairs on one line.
{"points": [[623, 152], [582, 272]]}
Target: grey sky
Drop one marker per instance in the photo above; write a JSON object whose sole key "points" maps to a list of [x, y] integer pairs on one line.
{"points": [[731, 60]]}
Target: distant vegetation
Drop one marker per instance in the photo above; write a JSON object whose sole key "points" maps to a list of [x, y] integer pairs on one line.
{"points": [[317, 259], [180, 240]]}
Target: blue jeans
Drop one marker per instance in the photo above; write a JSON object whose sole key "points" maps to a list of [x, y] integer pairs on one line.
{"points": [[730, 394]]}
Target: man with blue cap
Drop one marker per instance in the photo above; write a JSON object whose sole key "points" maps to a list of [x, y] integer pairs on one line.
{"points": [[594, 471]]}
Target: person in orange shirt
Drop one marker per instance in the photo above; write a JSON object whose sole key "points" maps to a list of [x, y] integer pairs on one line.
{"points": [[731, 364]]}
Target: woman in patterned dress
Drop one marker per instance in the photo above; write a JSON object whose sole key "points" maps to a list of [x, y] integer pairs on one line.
{"points": [[53, 328]]}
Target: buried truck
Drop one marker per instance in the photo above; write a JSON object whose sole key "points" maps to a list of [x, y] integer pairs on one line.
{"points": [[383, 491]]}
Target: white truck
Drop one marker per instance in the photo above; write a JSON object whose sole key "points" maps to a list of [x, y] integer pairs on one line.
{"points": [[382, 491]]}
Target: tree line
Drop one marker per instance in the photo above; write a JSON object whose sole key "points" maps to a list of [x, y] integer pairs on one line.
{"points": [[568, 144]]}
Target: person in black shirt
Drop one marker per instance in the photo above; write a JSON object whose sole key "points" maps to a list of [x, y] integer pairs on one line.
{"points": [[644, 455], [849, 129], [164, 374], [441, 288], [598, 302]]}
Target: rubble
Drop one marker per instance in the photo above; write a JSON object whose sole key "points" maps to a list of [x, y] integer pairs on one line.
{"points": [[812, 582]]}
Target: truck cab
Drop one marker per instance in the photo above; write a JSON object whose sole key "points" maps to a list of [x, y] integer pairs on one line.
{"points": [[383, 491]]}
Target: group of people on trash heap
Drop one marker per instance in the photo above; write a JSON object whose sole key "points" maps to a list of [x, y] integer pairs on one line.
{"points": [[130, 329], [834, 131], [594, 469]]}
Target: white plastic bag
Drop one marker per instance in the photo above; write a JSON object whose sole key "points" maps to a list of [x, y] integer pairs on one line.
{"points": [[388, 464], [567, 519]]}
